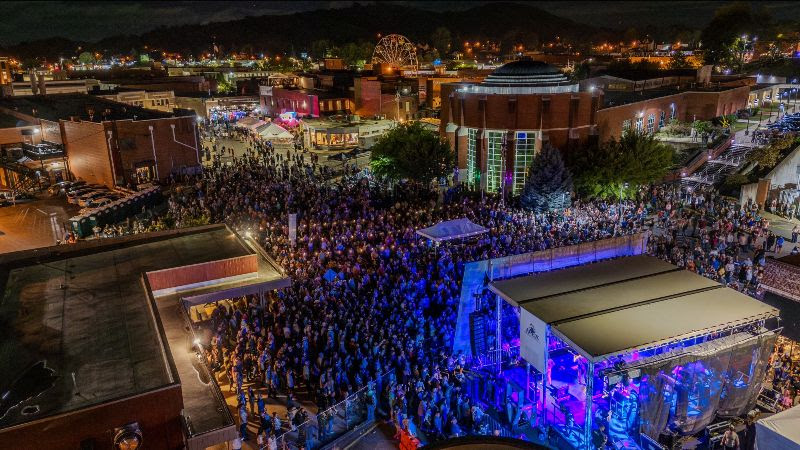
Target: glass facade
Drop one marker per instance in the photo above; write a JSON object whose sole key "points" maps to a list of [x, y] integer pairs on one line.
{"points": [[494, 160], [473, 173], [525, 150]]}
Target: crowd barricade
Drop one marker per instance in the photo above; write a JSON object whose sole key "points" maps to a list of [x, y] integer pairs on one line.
{"points": [[782, 279], [333, 422]]}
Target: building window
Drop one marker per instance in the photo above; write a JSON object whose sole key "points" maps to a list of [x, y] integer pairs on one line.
{"points": [[408, 106], [672, 111], [338, 105], [524, 151], [661, 119], [472, 173], [626, 125], [494, 160], [651, 123], [639, 122]]}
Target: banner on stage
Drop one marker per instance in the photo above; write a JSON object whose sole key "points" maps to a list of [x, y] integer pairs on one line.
{"points": [[533, 340], [292, 228]]}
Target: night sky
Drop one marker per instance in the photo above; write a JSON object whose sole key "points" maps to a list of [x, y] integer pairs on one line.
{"points": [[91, 21]]}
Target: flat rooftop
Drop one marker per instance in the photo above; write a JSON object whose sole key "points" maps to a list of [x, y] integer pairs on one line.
{"points": [[614, 306], [619, 98], [56, 107], [9, 121], [79, 329]]}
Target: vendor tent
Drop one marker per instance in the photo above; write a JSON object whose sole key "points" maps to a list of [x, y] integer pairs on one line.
{"points": [[452, 229], [273, 132], [251, 123], [779, 431]]}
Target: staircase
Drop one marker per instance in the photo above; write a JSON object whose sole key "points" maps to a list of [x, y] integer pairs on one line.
{"points": [[24, 179]]}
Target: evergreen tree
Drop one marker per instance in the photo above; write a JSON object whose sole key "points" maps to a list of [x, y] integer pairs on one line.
{"points": [[549, 182]]}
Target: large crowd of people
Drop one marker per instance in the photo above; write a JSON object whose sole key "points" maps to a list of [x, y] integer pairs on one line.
{"points": [[369, 300], [372, 307]]}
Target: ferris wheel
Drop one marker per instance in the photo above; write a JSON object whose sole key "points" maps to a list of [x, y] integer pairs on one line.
{"points": [[396, 50]]}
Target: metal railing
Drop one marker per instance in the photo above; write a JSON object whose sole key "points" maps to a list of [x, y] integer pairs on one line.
{"points": [[332, 423]]}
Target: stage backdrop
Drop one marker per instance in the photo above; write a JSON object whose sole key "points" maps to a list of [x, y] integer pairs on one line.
{"points": [[532, 340]]}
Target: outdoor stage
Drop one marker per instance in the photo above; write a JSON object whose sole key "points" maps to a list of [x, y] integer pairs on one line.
{"points": [[634, 345]]}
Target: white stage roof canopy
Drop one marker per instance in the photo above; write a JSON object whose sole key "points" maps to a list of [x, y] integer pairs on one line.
{"points": [[452, 229], [779, 431], [615, 306]]}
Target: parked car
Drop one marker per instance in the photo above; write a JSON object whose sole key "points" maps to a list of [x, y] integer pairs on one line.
{"points": [[85, 199], [73, 196], [59, 188]]}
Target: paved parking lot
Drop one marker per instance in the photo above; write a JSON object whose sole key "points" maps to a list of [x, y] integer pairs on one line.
{"points": [[30, 225]]}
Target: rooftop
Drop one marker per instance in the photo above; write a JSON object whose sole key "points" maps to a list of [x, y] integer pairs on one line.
{"points": [[56, 107], [80, 326], [526, 72], [9, 121], [588, 305], [619, 98]]}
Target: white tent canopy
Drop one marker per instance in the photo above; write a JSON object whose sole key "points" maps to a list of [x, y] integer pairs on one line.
{"points": [[452, 229], [588, 306], [250, 123], [779, 431], [273, 131]]}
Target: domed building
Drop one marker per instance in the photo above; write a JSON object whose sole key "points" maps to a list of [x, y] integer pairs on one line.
{"points": [[497, 126]]}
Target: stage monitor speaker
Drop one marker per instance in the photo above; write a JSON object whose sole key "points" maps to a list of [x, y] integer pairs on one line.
{"points": [[477, 333]]}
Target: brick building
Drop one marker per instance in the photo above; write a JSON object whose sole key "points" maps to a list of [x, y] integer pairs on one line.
{"points": [[497, 126], [305, 102], [395, 98], [111, 143], [652, 109]]}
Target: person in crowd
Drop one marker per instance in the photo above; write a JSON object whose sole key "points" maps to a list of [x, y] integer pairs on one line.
{"points": [[369, 302]]}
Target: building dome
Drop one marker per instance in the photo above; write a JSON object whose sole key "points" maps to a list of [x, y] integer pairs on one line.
{"points": [[526, 72], [526, 67]]}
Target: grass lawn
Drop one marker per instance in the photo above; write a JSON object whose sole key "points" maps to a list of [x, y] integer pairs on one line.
{"points": [[740, 125]]}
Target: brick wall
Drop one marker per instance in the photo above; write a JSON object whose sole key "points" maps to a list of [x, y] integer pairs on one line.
{"points": [[10, 136], [157, 412], [690, 105], [367, 97], [87, 151], [132, 145], [555, 114]]}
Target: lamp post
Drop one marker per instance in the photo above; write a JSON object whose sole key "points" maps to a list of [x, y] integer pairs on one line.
{"points": [[622, 187]]}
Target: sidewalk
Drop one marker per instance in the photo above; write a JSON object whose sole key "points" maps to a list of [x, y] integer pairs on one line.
{"points": [[782, 227]]}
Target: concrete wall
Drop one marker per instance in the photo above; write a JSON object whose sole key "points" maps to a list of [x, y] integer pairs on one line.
{"points": [[787, 171], [51, 131], [87, 151], [748, 192]]}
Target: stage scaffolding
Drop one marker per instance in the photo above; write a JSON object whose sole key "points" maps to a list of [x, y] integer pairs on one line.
{"points": [[659, 351]]}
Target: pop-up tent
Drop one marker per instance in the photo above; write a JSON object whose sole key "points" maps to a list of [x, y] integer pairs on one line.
{"points": [[779, 431], [452, 229], [274, 132], [251, 123]]}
